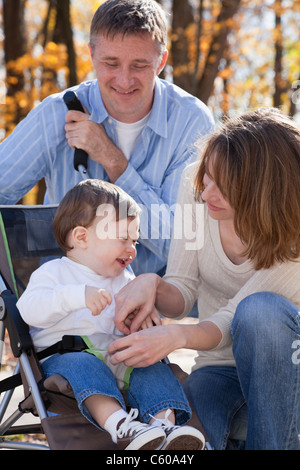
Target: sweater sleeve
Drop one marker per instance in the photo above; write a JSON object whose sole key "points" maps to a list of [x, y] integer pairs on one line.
{"points": [[282, 279], [45, 301]]}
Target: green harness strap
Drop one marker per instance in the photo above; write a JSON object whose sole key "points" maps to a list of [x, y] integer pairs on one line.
{"points": [[96, 352]]}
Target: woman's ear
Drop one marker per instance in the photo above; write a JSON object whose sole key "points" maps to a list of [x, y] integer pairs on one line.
{"points": [[79, 237]]}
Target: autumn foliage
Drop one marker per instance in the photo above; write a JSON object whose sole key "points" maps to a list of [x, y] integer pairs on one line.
{"points": [[232, 54]]}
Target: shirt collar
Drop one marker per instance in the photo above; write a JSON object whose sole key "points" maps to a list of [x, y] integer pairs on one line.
{"points": [[98, 113], [158, 117]]}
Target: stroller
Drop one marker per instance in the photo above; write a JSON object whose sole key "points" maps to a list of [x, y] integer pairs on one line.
{"points": [[26, 240]]}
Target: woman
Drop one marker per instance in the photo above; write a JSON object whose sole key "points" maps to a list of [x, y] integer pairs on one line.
{"points": [[244, 271]]}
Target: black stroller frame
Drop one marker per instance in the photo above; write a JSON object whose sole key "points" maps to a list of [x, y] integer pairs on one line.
{"points": [[21, 346], [6, 427], [26, 240]]}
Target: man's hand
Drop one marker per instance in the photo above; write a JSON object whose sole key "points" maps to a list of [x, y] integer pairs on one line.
{"points": [[90, 136], [97, 299]]}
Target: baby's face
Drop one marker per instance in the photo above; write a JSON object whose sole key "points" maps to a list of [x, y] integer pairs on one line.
{"points": [[111, 245]]}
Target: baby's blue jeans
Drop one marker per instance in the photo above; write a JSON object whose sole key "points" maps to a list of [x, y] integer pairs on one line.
{"points": [[151, 389]]}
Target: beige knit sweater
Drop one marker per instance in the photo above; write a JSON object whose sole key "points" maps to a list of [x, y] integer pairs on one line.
{"points": [[200, 269]]}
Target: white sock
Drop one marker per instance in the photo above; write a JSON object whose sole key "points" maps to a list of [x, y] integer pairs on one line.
{"points": [[110, 424]]}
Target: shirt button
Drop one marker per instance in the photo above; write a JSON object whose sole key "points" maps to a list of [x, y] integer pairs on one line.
{"points": [[110, 121]]}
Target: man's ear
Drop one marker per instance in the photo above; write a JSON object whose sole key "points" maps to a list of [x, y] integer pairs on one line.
{"points": [[162, 62], [79, 236]]}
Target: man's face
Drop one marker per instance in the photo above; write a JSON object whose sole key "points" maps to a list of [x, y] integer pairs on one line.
{"points": [[126, 68]]}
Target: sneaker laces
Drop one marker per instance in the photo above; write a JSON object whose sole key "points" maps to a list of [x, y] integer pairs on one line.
{"points": [[165, 423], [129, 426]]}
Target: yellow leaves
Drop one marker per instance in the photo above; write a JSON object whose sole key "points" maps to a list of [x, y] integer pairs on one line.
{"points": [[277, 35], [31, 78], [226, 73], [23, 103], [181, 69], [12, 80], [31, 197], [51, 48], [54, 56], [245, 74]]}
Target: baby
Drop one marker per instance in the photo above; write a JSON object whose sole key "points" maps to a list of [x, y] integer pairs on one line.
{"points": [[97, 226]]}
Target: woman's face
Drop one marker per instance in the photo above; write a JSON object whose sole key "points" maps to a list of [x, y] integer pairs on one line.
{"points": [[218, 207]]}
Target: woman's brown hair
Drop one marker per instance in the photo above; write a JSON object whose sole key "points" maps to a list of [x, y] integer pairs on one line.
{"points": [[255, 162], [80, 204]]}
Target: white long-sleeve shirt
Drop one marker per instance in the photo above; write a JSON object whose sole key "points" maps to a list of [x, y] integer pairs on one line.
{"points": [[200, 269], [53, 303]]}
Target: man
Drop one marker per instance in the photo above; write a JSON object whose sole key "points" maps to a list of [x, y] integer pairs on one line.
{"points": [[138, 130]]}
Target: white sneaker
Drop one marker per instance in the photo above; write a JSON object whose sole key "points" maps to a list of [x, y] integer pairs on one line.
{"points": [[133, 435], [180, 437]]}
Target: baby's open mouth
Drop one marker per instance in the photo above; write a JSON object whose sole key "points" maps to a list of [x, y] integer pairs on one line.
{"points": [[122, 261]]}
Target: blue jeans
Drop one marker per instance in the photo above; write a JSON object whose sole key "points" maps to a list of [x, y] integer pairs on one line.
{"points": [[151, 389], [265, 382]]}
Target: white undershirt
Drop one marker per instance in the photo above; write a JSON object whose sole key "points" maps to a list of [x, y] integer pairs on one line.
{"points": [[129, 134]]}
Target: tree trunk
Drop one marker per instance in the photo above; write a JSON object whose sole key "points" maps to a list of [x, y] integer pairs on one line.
{"points": [[14, 47], [218, 46], [63, 34], [279, 86], [182, 18]]}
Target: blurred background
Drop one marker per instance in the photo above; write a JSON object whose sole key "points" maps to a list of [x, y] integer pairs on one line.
{"points": [[234, 55]]}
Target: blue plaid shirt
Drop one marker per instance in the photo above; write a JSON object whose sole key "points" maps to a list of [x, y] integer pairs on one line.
{"points": [[38, 149]]}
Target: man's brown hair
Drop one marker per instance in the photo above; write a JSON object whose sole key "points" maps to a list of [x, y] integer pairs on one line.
{"points": [[129, 17]]}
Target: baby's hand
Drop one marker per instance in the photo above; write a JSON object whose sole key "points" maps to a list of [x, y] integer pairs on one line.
{"points": [[96, 299], [152, 320]]}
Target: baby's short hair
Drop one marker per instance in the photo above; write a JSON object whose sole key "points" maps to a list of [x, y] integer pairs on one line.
{"points": [[80, 205]]}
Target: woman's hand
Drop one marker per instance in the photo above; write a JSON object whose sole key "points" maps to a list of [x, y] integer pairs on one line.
{"points": [[145, 347], [136, 301]]}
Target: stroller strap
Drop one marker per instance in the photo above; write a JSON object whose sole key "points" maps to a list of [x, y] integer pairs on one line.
{"points": [[67, 344]]}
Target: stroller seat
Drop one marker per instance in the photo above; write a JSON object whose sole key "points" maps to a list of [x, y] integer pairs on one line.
{"points": [[26, 241]]}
